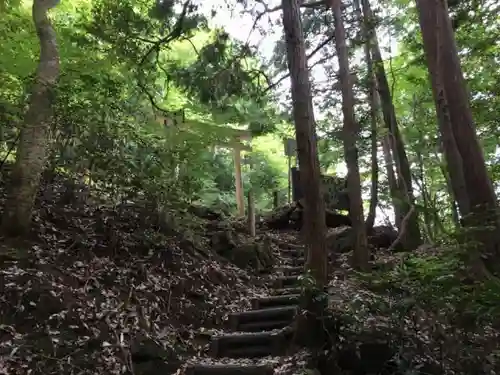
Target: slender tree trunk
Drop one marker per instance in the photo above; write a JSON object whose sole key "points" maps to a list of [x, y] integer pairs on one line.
{"points": [[429, 207], [453, 203], [310, 326], [391, 179], [35, 135], [372, 211], [411, 237], [374, 108], [454, 207], [426, 198], [448, 81], [350, 134]]}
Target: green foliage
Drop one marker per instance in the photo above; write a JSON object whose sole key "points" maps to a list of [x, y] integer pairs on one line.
{"points": [[439, 282], [122, 65]]}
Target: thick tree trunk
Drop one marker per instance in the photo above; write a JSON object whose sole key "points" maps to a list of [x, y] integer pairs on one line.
{"points": [[35, 134], [449, 84], [448, 144], [350, 134], [411, 236], [309, 327], [314, 212]]}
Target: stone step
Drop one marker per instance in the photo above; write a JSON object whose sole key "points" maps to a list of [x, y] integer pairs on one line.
{"points": [[285, 282], [250, 345], [285, 291], [228, 369], [275, 301], [264, 326], [262, 315], [299, 261], [291, 270], [254, 351], [266, 271], [293, 253], [290, 246]]}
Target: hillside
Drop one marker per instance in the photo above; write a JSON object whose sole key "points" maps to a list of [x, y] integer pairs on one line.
{"points": [[249, 188], [101, 290]]}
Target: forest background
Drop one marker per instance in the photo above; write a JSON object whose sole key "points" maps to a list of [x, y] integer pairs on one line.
{"points": [[112, 94]]}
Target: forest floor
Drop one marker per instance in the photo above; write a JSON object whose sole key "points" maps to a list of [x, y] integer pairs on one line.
{"points": [[101, 292]]}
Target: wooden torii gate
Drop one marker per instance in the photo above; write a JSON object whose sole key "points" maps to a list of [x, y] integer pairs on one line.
{"points": [[237, 145], [235, 142]]}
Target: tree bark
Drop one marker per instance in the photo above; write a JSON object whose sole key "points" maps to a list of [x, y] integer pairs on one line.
{"points": [[310, 331], [448, 145], [449, 88], [428, 226], [309, 327], [391, 179], [411, 238], [374, 108], [453, 203], [350, 134], [305, 128], [35, 135]]}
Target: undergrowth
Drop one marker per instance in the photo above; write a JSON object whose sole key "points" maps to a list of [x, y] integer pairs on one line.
{"points": [[435, 310]]}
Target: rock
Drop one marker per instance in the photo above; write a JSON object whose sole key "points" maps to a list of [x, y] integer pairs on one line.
{"points": [[253, 255], [280, 217], [205, 212], [256, 255], [150, 358], [382, 237], [340, 240], [334, 220], [222, 242], [291, 216], [193, 244], [366, 358], [376, 358]]}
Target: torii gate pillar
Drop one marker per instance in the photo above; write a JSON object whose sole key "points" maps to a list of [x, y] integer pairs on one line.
{"points": [[240, 198], [237, 148]]}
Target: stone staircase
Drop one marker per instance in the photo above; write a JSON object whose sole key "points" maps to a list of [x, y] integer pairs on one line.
{"points": [[265, 330]]}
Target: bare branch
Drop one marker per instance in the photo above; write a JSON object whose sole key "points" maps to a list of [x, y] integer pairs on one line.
{"points": [[309, 56], [268, 10]]}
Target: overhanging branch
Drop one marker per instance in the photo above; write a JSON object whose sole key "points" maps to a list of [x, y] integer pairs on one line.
{"points": [[309, 56]]}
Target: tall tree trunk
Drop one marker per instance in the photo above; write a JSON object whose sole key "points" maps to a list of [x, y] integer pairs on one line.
{"points": [[372, 211], [448, 145], [453, 203], [35, 135], [374, 108], [429, 208], [426, 197], [350, 134], [308, 327], [411, 236], [391, 179], [448, 81]]}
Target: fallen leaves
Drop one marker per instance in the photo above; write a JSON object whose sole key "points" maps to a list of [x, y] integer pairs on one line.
{"points": [[103, 293], [94, 282]]}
